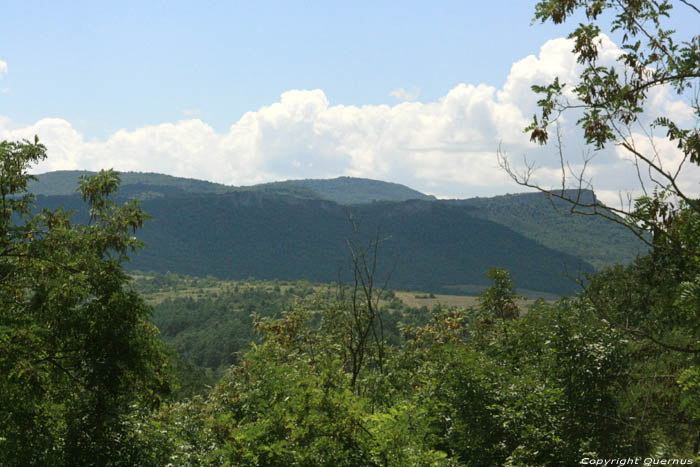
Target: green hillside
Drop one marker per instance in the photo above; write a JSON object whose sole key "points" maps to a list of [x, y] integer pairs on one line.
{"points": [[65, 182], [342, 190], [429, 246], [532, 215], [348, 190], [550, 222]]}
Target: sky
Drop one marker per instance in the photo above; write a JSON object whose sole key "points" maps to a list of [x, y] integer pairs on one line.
{"points": [[419, 93]]}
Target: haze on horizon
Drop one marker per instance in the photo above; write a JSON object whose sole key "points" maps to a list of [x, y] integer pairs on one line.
{"points": [[243, 94]]}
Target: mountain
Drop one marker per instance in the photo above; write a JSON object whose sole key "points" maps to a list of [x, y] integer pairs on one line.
{"points": [[549, 221], [289, 230], [65, 182], [342, 190], [431, 246], [350, 190]]}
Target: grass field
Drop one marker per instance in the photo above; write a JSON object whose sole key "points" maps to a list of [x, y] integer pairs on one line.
{"points": [[195, 288], [419, 299]]}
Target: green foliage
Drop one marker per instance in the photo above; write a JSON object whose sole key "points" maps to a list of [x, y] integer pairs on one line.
{"points": [[210, 330], [211, 323], [549, 221], [614, 99], [653, 302], [291, 401], [499, 299], [347, 190], [433, 245], [651, 58], [76, 351], [65, 182], [352, 378], [547, 388], [542, 389]]}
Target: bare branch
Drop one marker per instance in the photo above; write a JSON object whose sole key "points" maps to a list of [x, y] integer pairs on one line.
{"points": [[594, 208], [686, 2]]}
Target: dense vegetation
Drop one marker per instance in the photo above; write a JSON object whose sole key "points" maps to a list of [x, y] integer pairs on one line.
{"points": [[65, 182], [610, 374], [341, 377], [78, 358], [432, 245], [549, 221], [479, 386], [211, 323], [342, 190], [349, 190]]}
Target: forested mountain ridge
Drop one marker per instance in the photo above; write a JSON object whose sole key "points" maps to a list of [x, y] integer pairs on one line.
{"points": [[349, 190], [65, 182], [427, 245], [138, 185], [195, 207], [550, 221]]}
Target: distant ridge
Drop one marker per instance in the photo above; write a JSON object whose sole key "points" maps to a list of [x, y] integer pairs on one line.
{"points": [[351, 190], [427, 245], [342, 190], [65, 182], [549, 221], [203, 209]]}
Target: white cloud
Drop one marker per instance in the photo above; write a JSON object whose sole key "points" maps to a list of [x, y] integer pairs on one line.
{"points": [[190, 112], [667, 157], [446, 147], [403, 95]]}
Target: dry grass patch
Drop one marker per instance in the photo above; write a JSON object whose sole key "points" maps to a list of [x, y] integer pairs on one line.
{"points": [[419, 299]]}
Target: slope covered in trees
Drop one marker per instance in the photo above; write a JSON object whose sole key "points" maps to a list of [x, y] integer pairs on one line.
{"points": [[550, 221], [534, 216], [342, 190], [427, 245], [349, 190], [65, 182]]}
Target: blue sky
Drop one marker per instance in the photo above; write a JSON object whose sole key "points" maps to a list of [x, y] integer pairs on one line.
{"points": [[110, 65], [100, 77]]}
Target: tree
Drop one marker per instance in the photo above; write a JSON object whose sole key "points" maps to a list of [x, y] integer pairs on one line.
{"points": [[358, 316], [76, 352], [612, 100], [654, 300], [499, 299]]}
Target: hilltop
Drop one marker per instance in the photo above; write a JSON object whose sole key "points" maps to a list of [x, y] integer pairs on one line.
{"points": [[342, 190]]}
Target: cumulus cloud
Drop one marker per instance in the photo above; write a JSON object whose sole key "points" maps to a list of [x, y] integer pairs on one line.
{"points": [[403, 95], [445, 147], [666, 158], [3, 68]]}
